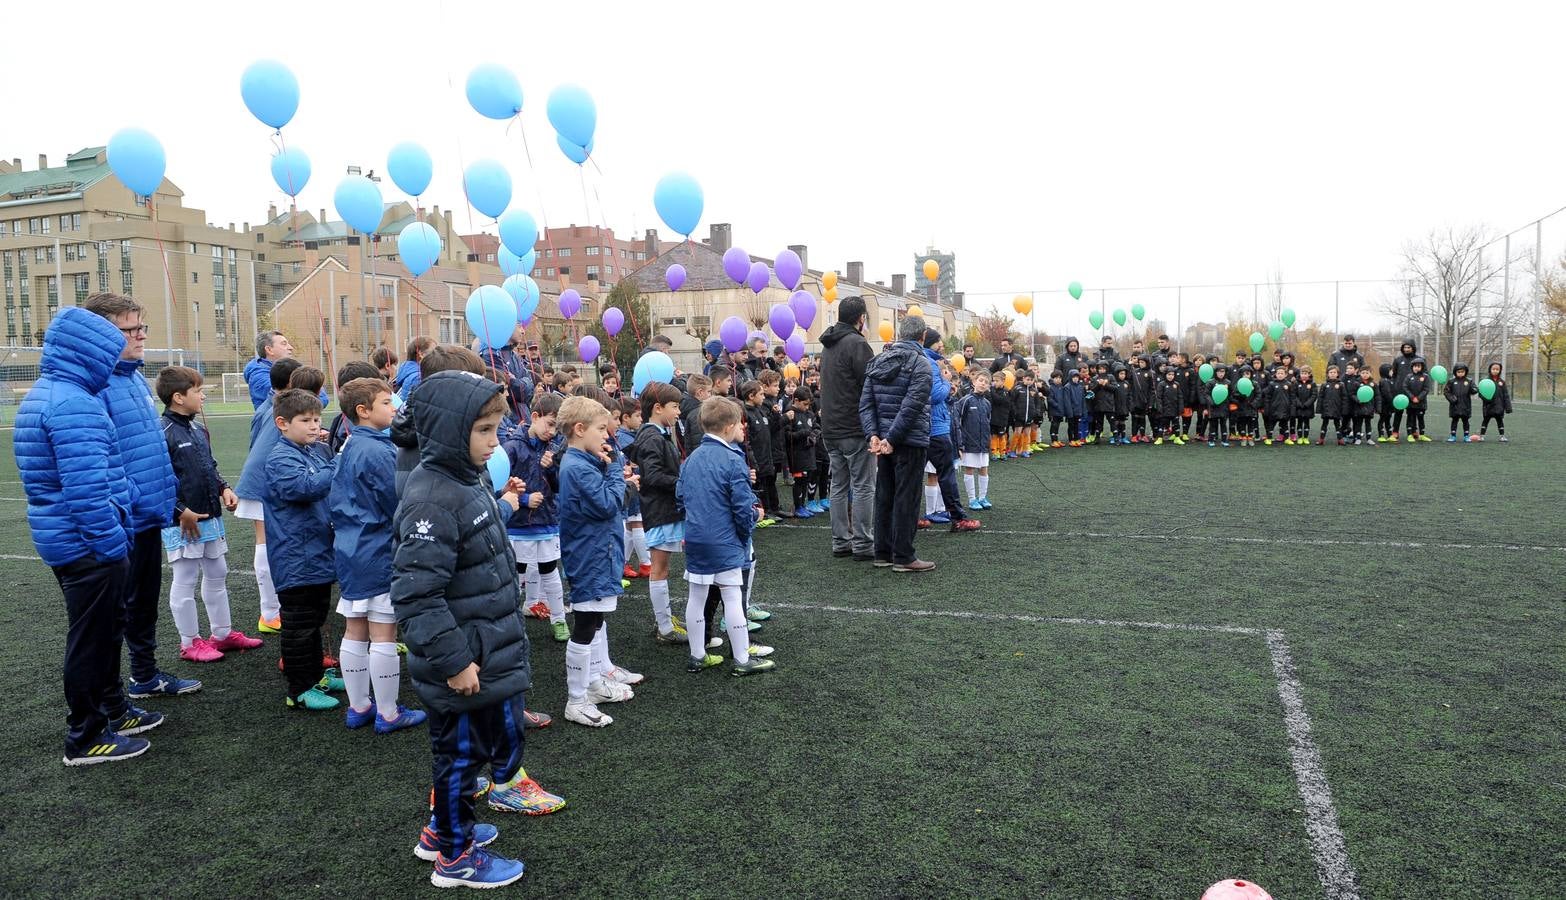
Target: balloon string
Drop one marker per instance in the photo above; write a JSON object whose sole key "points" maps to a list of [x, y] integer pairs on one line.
{"points": [[543, 215], [157, 234]]}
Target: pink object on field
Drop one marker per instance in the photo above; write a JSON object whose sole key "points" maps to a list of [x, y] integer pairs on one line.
{"points": [[1236, 889], [201, 651], [236, 640]]}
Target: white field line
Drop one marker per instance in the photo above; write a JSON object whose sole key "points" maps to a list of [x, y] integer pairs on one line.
{"points": [[1333, 868]]}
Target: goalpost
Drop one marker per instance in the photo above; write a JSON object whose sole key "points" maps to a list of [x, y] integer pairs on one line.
{"points": [[234, 387]]}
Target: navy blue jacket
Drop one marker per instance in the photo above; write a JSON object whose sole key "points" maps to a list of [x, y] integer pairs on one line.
{"points": [[591, 544], [199, 486], [1067, 400], [362, 501], [298, 518], [972, 431], [895, 401], [719, 507], [263, 437], [526, 454], [143, 451], [78, 501]]}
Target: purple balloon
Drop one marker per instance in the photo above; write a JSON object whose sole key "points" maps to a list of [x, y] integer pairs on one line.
{"points": [[795, 346], [614, 320], [732, 333], [758, 277], [675, 277], [736, 264], [804, 307], [570, 302], [781, 318], [788, 268], [587, 348]]}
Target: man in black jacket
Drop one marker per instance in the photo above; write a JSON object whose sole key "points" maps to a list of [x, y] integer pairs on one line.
{"points": [[1004, 356], [894, 410], [1347, 356], [844, 355]]}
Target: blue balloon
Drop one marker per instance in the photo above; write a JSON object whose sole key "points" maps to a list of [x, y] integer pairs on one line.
{"points": [[512, 264], [492, 315], [572, 111], [653, 366], [291, 171], [358, 201], [499, 467], [518, 231], [524, 290], [678, 200], [270, 91], [410, 167], [488, 185], [419, 247], [494, 92], [137, 160], [574, 153]]}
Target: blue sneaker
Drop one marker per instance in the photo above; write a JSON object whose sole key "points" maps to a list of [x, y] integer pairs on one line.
{"points": [[826, 504], [1451, 439], [109, 747], [986, 502], [428, 847], [975, 503], [135, 721], [161, 684], [477, 868], [941, 518], [355, 719], [406, 718], [820, 507], [803, 512]]}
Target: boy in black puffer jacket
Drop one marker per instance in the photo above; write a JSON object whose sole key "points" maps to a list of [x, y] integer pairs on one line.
{"points": [[1333, 405], [1460, 393], [1389, 419], [1417, 387], [1305, 393]]}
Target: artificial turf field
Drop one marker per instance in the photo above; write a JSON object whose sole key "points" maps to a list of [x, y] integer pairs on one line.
{"points": [[907, 747]]}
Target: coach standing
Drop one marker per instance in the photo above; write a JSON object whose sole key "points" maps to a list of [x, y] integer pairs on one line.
{"points": [[894, 410], [844, 354], [271, 346]]}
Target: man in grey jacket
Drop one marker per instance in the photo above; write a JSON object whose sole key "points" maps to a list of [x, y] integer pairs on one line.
{"points": [[843, 358]]}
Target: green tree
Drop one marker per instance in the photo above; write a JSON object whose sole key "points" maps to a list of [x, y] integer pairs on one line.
{"points": [[624, 349]]}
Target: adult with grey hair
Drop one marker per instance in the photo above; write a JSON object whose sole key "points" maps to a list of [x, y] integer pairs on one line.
{"points": [[271, 346], [844, 355], [894, 410]]}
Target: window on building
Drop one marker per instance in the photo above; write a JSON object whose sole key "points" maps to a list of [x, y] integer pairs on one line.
{"points": [[52, 292], [549, 271], [38, 254], [233, 256], [608, 270], [194, 249], [565, 251], [565, 270], [608, 251], [592, 251], [489, 257], [45, 223], [386, 291], [32, 226], [4, 227], [537, 272], [342, 308], [592, 272], [80, 287], [127, 282], [217, 252], [671, 322], [548, 252], [76, 221], [195, 277], [140, 200]]}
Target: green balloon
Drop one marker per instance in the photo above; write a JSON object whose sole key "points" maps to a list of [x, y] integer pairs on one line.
{"points": [[1275, 330], [1257, 342], [1486, 388], [1400, 401], [1205, 372], [1076, 292], [1439, 374], [1138, 311], [1288, 317], [1366, 392], [1221, 393], [1245, 386], [1120, 316]]}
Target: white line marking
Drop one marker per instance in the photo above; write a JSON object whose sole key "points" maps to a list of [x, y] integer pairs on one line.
{"points": [[1017, 617]]}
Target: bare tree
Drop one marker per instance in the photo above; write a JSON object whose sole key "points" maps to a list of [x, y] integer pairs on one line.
{"points": [[1451, 294], [1274, 308]]}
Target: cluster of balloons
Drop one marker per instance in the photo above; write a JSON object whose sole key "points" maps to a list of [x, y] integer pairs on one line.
{"points": [[574, 116], [829, 287], [1023, 304]]}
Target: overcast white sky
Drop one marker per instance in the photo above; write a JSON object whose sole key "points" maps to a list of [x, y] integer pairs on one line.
{"points": [[1122, 144]]}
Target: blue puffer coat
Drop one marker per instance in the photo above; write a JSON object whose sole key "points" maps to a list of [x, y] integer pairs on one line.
{"points": [[526, 454], [78, 501], [363, 501], [298, 519], [263, 437], [143, 450], [895, 402], [591, 544], [940, 395], [258, 377], [720, 505]]}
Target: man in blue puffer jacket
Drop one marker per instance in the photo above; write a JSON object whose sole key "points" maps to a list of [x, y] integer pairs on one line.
{"points": [[145, 455], [940, 461], [894, 410], [78, 508]]}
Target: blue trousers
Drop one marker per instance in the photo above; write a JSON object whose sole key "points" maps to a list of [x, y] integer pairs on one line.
{"points": [[462, 744]]}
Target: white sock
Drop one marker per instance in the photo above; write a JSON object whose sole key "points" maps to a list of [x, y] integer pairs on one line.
{"points": [[271, 610], [625, 541], [659, 591], [578, 659], [600, 647], [639, 544], [214, 596], [984, 486], [696, 620], [530, 585], [739, 629], [554, 594], [353, 660], [967, 483], [385, 673], [932, 499], [750, 583], [182, 600]]}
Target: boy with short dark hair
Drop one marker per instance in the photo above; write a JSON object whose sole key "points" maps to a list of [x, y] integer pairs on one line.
{"points": [[657, 460], [1460, 391], [534, 529], [638, 561]]}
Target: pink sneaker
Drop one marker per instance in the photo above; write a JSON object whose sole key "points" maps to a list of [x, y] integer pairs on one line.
{"points": [[201, 651], [236, 640]]}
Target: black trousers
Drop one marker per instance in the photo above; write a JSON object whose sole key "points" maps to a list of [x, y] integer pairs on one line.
{"points": [[899, 480], [804, 489], [95, 631], [943, 457], [462, 744], [1416, 421], [1498, 418], [1462, 419], [304, 612], [143, 595], [767, 487], [1054, 429]]}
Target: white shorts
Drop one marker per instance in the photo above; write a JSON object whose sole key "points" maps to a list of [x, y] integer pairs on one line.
{"points": [[376, 609], [972, 460], [533, 551], [929, 467], [634, 520], [602, 604], [210, 550], [731, 577], [669, 538], [251, 509]]}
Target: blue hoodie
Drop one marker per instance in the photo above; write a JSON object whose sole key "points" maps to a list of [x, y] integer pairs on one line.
{"points": [[407, 378], [143, 450], [591, 544], [526, 453], [362, 501], [78, 501], [940, 395], [258, 377], [719, 504], [298, 518]]}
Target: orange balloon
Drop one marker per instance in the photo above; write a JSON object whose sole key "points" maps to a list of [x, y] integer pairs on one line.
{"points": [[791, 371], [829, 282], [959, 362], [1011, 381], [1023, 305], [830, 295], [915, 311], [932, 270], [886, 331]]}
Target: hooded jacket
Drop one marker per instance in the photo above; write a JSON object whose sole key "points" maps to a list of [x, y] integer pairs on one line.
{"points": [[1460, 391], [298, 514], [263, 437], [592, 547], [1204, 396], [1417, 386], [720, 516], [895, 401], [1072, 358], [1141, 389], [1402, 364], [1169, 399], [258, 377], [526, 456], [199, 487], [78, 500], [143, 451], [971, 418], [1305, 393], [1279, 403], [844, 356], [1386, 389], [1000, 407], [407, 378], [363, 502], [1066, 399], [940, 395], [758, 436], [1500, 403], [406, 439], [1121, 388], [1333, 400]]}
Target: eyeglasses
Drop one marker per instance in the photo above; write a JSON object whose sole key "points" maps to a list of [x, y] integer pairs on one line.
{"points": [[137, 329]]}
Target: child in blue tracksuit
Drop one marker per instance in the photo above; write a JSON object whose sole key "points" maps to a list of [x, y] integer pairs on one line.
{"points": [[720, 514], [971, 425], [252, 488], [534, 529], [593, 476], [363, 503], [630, 416], [299, 542]]}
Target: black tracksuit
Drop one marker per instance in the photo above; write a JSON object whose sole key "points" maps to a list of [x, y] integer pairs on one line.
{"points": [[758, 435], [1141, 400], [1305, 393], [1333, 405], [1496, 408], [1417, 387], [1460, 402], [802, 433], [1168, 401]]}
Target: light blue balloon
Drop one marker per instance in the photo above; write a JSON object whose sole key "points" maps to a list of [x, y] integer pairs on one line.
{"points": [[511, 264], [518, 231], [410, 167], [488, 185], [270, 92], [499, 467], [492, 315], [572, 152], [653, 366], [358, 201], [291, 171], [494, 92], [419, 247], [678, 200], [137, 160], [524, 290], [572, 111]]}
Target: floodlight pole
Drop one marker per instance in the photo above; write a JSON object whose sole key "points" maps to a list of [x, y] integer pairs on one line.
{"points": [[1538, 303]]}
